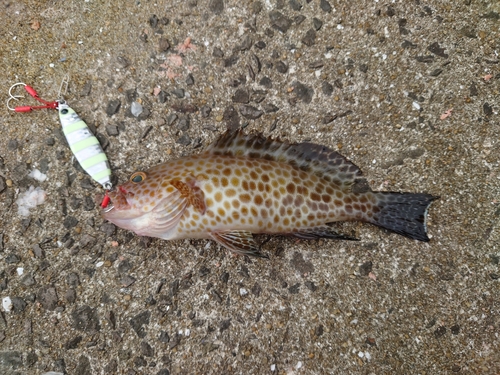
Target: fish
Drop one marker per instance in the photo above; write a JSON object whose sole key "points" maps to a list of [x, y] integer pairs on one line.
{"points": [[246, 184]]}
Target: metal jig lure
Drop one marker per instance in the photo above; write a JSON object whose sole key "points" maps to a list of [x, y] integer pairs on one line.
{"points": [[84, 145]]}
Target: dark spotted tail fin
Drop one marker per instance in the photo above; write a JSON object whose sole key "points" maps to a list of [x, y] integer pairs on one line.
{"points": [[403, 213]]}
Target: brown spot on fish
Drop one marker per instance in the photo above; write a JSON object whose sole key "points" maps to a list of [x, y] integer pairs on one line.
{"points": [[258, 200], [245, 198], [235, 182]]}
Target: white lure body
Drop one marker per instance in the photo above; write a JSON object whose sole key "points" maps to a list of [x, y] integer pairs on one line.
{"points": [[84, 145]]}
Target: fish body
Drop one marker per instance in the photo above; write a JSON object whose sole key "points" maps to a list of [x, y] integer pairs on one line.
{"points": [[246, 184]]}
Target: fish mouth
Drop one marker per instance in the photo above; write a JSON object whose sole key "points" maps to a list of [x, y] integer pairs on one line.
{"points": [[115, 200]]}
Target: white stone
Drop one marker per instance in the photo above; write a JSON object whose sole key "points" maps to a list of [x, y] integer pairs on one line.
{"points": [[7, 304]]}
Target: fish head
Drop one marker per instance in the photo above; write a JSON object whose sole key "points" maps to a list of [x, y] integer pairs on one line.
{"points": [[129, 205]]}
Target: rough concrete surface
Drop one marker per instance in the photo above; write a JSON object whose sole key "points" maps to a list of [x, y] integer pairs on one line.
{"points": [[407, 90]]}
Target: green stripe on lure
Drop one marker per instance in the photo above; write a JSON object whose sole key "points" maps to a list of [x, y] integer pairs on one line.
{"points": [[84, 145]]}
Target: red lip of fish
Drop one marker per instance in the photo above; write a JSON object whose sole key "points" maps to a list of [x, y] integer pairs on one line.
{"points": [[246, 184]]}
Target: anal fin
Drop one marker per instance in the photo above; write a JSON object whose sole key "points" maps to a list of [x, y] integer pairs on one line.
{"points": [[239, 242], [322, 231]]}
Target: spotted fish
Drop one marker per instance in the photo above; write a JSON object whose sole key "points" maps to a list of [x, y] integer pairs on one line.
{"points": [[246, 184]]}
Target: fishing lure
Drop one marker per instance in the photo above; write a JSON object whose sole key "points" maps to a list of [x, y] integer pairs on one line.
{"points": [[84, 145]]}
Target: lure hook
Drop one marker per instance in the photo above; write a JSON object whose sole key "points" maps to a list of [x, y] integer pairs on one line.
{"points": [[14, 85], [30, 90], [15, 97]]}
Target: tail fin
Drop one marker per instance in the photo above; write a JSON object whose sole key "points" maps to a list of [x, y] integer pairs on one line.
{"points": [[403, 213]]}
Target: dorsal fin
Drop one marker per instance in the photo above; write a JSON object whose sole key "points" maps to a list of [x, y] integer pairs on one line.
{"points": [[308, 157]]}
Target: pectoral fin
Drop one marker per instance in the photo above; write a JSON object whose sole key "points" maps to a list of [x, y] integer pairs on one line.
{"points": [[192, 193], [239, 242]]}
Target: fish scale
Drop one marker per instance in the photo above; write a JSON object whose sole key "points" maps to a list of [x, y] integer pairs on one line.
{"points": [[246, 184]]}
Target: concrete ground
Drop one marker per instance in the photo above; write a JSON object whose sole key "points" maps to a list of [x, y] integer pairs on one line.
{"points": [[407, 90]]}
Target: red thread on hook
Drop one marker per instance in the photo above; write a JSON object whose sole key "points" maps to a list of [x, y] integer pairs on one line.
{"points": [[47, 105], [34, 94], [105, 201]]}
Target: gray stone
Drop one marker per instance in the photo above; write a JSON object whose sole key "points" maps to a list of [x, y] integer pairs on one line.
{"points": [[85, 319], [18, 304], [163, 45], [301, 265], [31, 359], [179, 93], [184, 140], [295, 5], [127, 280], [269, 108], [139, 321], [12, 259], [171, 118], [279, 21], [70, 295], [281, 67], [241, 96], [88, 203], [12, 359], [47, 296], [87, 87], [310, 38], [108, 228], [317, 24], [299, 19], [13, 144], [28, 280], [112, 130], [146, 349], [164, 337], [325, 6], [303, 92], [83, 367], [73, 343], [205, 111], [231, 118], [113, 107], [436, 49], [183, 124], [250, 112], [216, 6], [70, 222], [266, 82]]}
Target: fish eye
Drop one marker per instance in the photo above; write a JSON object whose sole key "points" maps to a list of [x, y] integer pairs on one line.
{"points": [[138, 177], [64, 111]]}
